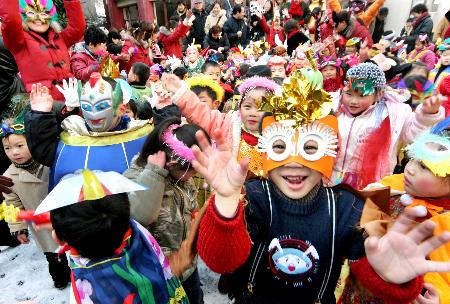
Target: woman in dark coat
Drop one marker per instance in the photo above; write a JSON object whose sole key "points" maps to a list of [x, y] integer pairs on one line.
{"points": [[421, 25], [216, 40]]}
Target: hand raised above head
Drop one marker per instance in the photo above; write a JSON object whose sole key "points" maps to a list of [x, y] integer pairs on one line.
{"points": [[40, 98], [217, 164], [401, 254]]}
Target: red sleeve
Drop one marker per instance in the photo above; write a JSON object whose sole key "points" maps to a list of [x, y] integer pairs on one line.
{"points": [[180, 31], [223, 244], [76, 24], [264, 25], [81, 68], [12, 30], [389, 293]]}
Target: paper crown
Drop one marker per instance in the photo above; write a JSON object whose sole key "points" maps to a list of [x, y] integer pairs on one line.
{"points": [[206, 82], [432, 148], [86, 185]]}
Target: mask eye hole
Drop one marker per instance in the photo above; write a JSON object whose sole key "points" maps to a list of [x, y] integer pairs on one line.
{"points": [[279, 147], [310, 147]]}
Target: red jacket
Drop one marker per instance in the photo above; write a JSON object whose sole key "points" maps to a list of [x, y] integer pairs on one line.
{"points": [[140, 54], [82, 63], [360, 31], [171, 41], [271, 36], [42, 60]]}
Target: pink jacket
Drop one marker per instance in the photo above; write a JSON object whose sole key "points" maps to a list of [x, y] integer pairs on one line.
{"points": [[405, 126], [199, 113]]}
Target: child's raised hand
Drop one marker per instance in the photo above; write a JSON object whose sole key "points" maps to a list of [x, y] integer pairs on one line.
{"points": [[217, 165], [171, 82], [432, 104], [401, 254], [163, 98], [40, 98], [431, 296], [23, 238], [158, 159]]}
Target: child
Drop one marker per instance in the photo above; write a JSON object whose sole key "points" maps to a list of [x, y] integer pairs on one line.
{"points": [[212, 69], [332, 78], [113, 258], [422, 53], [30, 188], [373, 123], [240, 126], [207, 90], [137, 78], [426, 182], [443, 68], [290, 242], [277, 66], [166, 209]]}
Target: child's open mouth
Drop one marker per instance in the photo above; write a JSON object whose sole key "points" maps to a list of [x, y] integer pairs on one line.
{"points": [[294, 182], [97, 121]]}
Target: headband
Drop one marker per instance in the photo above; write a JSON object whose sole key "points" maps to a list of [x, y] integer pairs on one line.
{"points": [[179, 149], [205, 81]]}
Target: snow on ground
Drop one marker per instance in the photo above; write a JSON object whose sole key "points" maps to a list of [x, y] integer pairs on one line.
{"points": [[24, 276]]}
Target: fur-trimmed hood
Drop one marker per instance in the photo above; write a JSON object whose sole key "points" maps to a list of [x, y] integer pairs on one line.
{"points": [[164, 30]]}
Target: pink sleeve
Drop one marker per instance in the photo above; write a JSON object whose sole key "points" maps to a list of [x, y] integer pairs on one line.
{"points": [[199, 113], [418, 121]]}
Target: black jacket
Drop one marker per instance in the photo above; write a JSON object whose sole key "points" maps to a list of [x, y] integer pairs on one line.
{"points": [[231, 27], [424, 27], [294, 40], [197, 31], [214, 44], [10, 82]]}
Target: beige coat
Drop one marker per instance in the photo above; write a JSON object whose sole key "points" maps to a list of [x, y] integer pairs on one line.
{"points": [[27, 193], [441, 28], [212, 20]]}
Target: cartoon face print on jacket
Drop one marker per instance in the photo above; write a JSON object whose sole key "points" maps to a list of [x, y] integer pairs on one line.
{"points": [[38, 14], [99, 104], [293, 261]]}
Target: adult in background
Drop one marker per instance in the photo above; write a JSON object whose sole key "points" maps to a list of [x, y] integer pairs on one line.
{"points": [[361, 9], [236, 28], [197, 32], [216, 40], [217, 16], [421, 25], [137, 45], [114, 43], [88, 54], [180, 13], [294, 36], [442, 26], [377, 27], [31, 33], [349, 27]]}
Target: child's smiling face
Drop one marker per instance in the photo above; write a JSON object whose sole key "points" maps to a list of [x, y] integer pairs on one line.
{"points": [[421, 182], [356, 103], [250, 114]]}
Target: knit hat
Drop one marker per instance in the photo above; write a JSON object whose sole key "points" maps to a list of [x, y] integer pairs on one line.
{"points": [[366, 77]]}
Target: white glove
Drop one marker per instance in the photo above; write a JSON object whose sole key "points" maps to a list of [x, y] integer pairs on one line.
{"points": [[189, 22], [70, 92]]}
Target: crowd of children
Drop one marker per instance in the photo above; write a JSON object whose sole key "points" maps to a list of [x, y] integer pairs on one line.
{"points": [[274, 159]]}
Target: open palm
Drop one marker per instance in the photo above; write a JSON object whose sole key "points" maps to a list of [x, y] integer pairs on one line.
{"points": [[217, 165], [401, 254]]}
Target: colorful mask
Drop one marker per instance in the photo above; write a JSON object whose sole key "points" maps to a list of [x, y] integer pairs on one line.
{"points": [[300, 117], [192, 53], [99, 103], [42, 10], [366, 77], [13, 128], [14, 122], [432, 148]]}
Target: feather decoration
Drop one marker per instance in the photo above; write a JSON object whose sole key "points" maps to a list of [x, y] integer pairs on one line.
{"points": [[183, 152], [258, 82]]}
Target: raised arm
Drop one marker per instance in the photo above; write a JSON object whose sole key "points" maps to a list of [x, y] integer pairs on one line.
{"points": [[12, 29], [223, 242], [369, 15], [76, 24]]}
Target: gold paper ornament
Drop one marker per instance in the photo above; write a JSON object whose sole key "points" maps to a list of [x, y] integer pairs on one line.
{"points": [[301, 101], [108, 68]]}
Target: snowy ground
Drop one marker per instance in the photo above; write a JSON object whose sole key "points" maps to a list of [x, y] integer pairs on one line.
{"points": [[24, 276]]}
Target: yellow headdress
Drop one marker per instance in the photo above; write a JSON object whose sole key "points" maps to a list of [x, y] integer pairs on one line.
{"points": [[206, 82]]}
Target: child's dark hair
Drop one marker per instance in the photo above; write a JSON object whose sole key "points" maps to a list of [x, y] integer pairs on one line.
{"points": [[94, 228], [94, 35], [154, 144], [133, 106], [113, 35], [199, 89], [142, 71], [180, 72], [209, 63], [173, 24], [419, 65]]}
